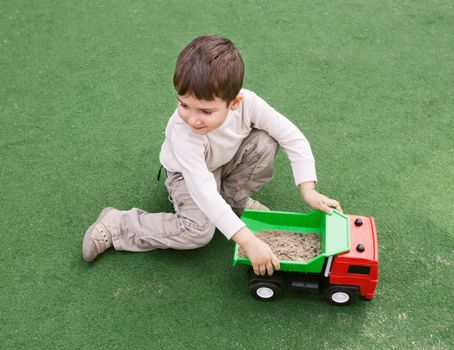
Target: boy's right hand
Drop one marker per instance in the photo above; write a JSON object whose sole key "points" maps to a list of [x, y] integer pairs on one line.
{"points": [[259, 253]]}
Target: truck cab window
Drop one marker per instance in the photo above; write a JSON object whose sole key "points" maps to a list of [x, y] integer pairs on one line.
{"points": [[362, 270]]}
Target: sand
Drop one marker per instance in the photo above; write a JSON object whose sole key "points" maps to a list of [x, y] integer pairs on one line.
{"points": [[291, 246]]}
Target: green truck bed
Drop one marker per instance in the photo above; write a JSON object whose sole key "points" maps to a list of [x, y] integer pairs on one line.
{"points": [[333, 229]]}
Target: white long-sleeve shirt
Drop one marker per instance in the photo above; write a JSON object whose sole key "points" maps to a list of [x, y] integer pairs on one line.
{"points": [[196, 156]]}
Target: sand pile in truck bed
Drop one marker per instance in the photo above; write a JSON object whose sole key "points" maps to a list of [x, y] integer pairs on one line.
{"points": [[291, 246]]}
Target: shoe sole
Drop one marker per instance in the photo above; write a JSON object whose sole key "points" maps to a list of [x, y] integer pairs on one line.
{"points": [[256, 205], [86, 241]]}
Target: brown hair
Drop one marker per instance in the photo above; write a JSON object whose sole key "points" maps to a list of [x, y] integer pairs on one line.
{"points": [[209, 67]]}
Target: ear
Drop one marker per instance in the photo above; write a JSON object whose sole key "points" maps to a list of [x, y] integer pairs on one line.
{"points": [[236, 102]]}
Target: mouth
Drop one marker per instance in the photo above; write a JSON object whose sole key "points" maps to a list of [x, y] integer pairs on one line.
{"points": [[198, 127]]}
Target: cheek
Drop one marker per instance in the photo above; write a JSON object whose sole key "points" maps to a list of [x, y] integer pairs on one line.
{"points": [[182, 112], [218, 120]]}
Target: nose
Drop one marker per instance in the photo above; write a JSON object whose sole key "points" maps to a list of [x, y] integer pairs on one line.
{"points": [[193, 120]]}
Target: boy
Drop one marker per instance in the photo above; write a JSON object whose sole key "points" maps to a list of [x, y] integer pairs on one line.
{"points": [[219, 149]]}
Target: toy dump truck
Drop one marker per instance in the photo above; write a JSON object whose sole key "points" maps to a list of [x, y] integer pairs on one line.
{"points": [[345, 269]]}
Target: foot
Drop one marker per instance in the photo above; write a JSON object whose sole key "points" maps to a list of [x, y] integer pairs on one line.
{"points": [[98, 237], [255, 205], [250, 204]]}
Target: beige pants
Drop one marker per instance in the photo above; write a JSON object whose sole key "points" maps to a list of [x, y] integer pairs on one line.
{"points": [[252, 166]]}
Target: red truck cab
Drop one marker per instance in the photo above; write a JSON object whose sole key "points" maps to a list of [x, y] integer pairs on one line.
{"points": [[358, 266]]}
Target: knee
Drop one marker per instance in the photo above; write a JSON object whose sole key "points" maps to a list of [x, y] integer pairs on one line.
{"points": [[271, 147], [266, 144], [200, 232]]}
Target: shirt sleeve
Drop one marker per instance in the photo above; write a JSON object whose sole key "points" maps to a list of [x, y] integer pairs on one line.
{"points": [[188, 149], [292, 140]]}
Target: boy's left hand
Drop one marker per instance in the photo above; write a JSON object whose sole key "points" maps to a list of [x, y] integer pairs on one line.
{"points": [[317, 200]]}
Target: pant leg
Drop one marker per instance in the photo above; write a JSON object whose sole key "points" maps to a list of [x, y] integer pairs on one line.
{"points": [[250, 169], [136, 230]]}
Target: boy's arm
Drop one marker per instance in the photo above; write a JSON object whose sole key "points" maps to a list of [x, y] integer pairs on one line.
{"points": [[258, 252], [296, 146], [185, 153], [317, 200], [298, 150]]}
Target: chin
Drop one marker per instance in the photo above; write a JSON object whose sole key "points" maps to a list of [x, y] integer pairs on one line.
{"points": [[201, 131]]}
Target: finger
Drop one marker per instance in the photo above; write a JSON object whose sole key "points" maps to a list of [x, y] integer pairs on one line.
{"points": [[331, 202], [334, 204], [325, 208], [275, 262], [256, 270], [262, 270], [269, 268]]}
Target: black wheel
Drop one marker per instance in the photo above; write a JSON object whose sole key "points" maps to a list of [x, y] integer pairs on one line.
{"points": [[341, 295], [266, 291]]}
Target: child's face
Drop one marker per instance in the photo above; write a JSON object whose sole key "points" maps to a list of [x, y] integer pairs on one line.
{"points": [[203, 116]]}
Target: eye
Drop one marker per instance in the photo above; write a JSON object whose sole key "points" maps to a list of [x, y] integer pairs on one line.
{"points": [[183, 105], [206, 112]]}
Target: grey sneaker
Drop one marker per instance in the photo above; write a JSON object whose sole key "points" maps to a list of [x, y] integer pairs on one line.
{"points": [[98, 237], [250, 204], [256, 205]]}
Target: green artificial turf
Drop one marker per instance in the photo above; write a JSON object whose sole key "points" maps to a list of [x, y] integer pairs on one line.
{"points": [[85, 94]]}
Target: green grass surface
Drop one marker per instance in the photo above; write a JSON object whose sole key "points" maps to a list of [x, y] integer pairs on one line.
{"points": [[85, 93]]}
